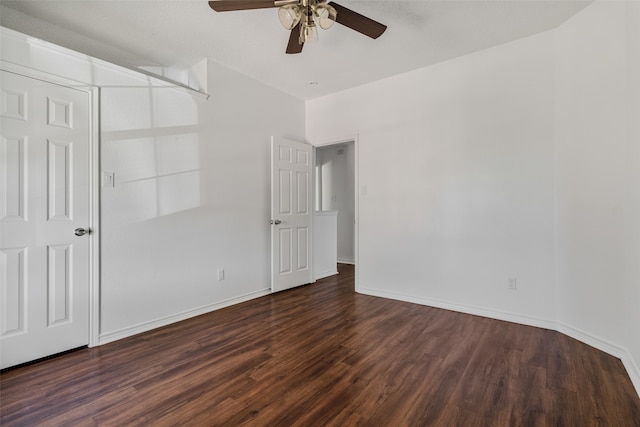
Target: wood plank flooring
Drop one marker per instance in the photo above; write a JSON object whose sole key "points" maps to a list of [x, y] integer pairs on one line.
{"points": [[324, 355]]}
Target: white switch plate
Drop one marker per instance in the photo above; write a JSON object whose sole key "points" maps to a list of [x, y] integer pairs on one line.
{"points": [[221, 274], [108, 179]]}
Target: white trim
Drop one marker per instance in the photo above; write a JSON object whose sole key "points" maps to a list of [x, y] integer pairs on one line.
{"points": [[94, 217], [44, 76], [168, 320], [632, 369], [356, 171], [591, 340], [314, 276], [346, 261], [463, 308], [72, 55], [605, 346]]}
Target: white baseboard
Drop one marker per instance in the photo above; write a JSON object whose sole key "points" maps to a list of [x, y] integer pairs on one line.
{"points": [[607, 347], [478, 311], [582, 336], [167, 320], [346, 261], [324, 274], [589, 339], [632, 369]]}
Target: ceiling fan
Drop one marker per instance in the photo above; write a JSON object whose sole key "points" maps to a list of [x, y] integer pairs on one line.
{"points": [[301, 16]]}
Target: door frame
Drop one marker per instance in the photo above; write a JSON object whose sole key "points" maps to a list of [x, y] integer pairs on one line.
{"points": [[94, 184], [356, 185]]}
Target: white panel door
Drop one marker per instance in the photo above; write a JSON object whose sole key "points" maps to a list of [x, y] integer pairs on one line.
{"points": [[44, 198], [291, 210]]}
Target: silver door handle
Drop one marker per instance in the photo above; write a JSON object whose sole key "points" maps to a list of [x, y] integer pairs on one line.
{"points": [[276, 222], [82, 231]]}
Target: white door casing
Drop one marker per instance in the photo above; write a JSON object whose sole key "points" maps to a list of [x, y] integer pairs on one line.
{"points": [[44, 198], [291, 214]]}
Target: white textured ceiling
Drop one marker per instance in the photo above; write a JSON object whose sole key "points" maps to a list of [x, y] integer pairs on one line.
{"points": [[180, 33]]}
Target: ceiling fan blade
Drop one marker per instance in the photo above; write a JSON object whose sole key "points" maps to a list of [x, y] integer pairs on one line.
{"points": [[360, 23], [294, 45], [229, 5]]}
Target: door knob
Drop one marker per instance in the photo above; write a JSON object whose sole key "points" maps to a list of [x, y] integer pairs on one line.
{"points": [[276, 222], [82, 231]]}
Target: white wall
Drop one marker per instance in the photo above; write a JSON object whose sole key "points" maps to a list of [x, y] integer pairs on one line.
{"points": [[457, 161], [597, 174], [517, 161], [191, 193], [338, 193], [191, 197], [632, 189], [325, 246]]}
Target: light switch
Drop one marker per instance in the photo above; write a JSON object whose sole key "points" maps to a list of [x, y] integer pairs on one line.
{"points": [[108, 180]]}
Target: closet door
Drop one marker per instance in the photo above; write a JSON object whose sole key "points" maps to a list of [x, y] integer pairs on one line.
{"points": [[44, 217]]}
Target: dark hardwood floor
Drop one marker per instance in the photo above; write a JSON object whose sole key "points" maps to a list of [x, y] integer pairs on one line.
{"points": [[323, 355]]}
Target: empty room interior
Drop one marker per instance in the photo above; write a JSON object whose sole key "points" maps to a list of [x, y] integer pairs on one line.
{"points": [[376, 213]]}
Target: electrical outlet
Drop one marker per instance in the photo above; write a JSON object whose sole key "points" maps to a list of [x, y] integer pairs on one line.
{"points": [[512, 283], [220, 274]]}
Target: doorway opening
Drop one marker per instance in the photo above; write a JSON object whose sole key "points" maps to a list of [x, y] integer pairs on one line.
{"points": [[335, 191]]}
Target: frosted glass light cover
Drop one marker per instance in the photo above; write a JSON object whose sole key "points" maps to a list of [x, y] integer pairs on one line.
{"points": [[326, 16], [309, 34], [289, 16]]}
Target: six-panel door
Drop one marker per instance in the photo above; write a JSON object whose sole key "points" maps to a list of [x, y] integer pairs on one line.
{"points": [[44, 197], [291, 211]]}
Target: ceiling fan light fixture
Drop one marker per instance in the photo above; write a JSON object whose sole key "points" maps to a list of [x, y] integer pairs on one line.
{"points": [[308, 29], [326, 16], [308, 33], [289, 16], [302, 17]]}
